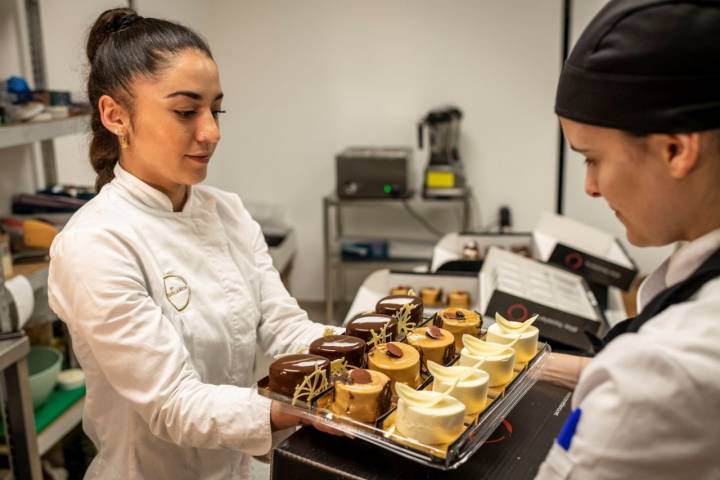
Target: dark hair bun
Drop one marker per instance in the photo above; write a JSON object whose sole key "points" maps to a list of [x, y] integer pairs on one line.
{"points": [[120, 46], [109, 22]]}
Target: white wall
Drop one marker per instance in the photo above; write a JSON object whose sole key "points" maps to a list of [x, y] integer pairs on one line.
{"points": [[65, 26], [305, 79], [595, 211]]}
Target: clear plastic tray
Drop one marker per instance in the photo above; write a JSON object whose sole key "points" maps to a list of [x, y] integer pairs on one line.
{"points": [[478, 427]]}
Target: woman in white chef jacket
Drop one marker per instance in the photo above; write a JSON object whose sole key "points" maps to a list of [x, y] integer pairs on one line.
{"points": [[167, 288], [639, 99]]}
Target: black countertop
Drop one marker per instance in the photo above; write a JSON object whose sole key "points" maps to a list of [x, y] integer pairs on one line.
{"points": [[515, 451]]}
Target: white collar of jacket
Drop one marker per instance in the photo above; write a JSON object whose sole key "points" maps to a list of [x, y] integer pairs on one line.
{"points": [[679, 266], [145, 196]]}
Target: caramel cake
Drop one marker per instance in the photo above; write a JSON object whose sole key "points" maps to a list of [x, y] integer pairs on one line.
{"points": [[289, 371], [362, 395], [497, 360], [332, 347], [459, 298], [363, 324], [400, 290], [522, 335], [399, 361], [459, 321], [390, 306], [431, 297], [437, 344], [467, 384], [431, 418]]}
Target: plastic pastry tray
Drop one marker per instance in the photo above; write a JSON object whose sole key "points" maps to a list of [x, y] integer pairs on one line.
{"points": [[478, 428]]}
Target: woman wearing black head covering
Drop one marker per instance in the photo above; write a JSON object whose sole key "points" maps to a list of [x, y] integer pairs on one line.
{"points": [[639, 97]]}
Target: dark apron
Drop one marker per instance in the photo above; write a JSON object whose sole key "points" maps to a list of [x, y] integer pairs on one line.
{"points": [[678, 293]]}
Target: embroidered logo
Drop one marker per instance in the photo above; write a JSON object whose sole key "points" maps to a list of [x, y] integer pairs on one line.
{"points": [[177, 291]]}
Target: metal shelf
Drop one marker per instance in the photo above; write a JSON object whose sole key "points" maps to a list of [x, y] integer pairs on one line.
{"points": [[412, 197], [379, 262], [11, 351], [18, 415], [333, 234], [24, 133], [60, 427]]}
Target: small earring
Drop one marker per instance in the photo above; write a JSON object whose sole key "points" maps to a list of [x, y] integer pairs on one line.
{"points": [[123, 141]]}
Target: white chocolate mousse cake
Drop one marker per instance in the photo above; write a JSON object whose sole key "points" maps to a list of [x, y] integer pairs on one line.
{"points": [[362, 395], [437, 344], [467, 384], [522, 335], [459, 321], [497, 360], [399, 361], [430, 418]]}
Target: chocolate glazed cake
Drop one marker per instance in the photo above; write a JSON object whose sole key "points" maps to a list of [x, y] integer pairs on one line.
{"points": [[391, 304], [288, 372], [332, 347], [361, 325]]}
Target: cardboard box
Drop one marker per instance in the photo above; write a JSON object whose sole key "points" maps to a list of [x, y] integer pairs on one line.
{"points": [[518, 287], [596, 255], [514, 452], [450, 247]]}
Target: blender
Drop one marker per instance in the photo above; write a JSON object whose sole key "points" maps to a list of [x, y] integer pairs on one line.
{"points": [[444, 175]]}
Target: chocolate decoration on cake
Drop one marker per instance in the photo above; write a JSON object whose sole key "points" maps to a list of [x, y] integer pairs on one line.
{"points": [[394, 351], [361, 325], [449, 354], [385, 399], [332, 347], [289, 371], [360, 376], [434, 332], [454, 315], [390, 306]]}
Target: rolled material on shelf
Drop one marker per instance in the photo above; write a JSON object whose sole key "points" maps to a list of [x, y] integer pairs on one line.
{"points": [[21, 291]]}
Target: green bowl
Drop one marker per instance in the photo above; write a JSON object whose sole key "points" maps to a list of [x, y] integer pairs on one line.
{"points": [[44, 365]]}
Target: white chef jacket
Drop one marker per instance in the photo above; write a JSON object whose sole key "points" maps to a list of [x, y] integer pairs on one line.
{"points": [[165, 310], [649, 403]]}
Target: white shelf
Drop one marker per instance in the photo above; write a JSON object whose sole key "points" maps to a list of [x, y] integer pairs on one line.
{"points": [[60, 427], [29, 132]]}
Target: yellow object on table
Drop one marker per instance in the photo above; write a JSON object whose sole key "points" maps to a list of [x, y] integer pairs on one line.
{"points": [[38, 234]]}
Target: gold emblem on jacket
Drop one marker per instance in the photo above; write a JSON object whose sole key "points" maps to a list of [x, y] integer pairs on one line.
{"points": [[177, 291]]}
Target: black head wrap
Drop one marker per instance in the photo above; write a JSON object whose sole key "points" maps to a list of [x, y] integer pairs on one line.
{"points": [[646, 66]]}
